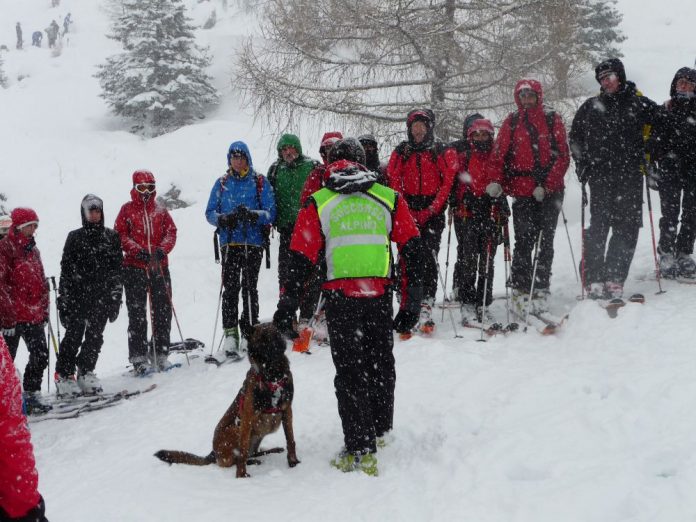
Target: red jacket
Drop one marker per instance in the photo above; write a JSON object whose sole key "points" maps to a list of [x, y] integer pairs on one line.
{"points": [[473, 176], [18, 477], [23, 288], [313, 183], [514, 154], [308, 240], [423, 177], [144, 226]]}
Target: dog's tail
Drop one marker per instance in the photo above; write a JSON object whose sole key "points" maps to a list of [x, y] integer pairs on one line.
{"points": [[182, 457]]}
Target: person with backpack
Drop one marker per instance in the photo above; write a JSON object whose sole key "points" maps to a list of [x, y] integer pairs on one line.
{"points": [[607, 140], [287, 176], [531, 156], [672, 148], [148, 235], [52, 32], [422, 170], [24, 301], [90, 295], [351, 222], [478, 205], [241, 204]]}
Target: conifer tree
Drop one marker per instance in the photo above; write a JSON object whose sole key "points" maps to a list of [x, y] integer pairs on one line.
{"points": [[159, 80]]}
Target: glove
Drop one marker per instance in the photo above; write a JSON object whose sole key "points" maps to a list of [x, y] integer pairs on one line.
{"points": [[228, 220], [143, 256], [64, 309], [8, 332], [404, 321], [159, 256], [539, 193], [583, 173], [114, 306], [494, 190], [284, 316], [252, 217], [654, 176]]}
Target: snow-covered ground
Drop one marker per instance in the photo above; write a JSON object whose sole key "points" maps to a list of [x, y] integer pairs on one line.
{"points": [[593, 424]]}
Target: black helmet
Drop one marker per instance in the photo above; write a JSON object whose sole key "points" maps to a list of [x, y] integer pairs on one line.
{"points": [[347, 149]]}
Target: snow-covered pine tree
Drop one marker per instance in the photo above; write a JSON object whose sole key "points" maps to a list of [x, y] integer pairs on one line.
{"points": [[159, 81]]}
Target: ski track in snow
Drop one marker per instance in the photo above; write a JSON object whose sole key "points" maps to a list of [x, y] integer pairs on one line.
{"points": [[595, 423]]}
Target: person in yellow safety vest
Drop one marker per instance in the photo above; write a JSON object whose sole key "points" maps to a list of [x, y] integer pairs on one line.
{"points": [[352, 221]]}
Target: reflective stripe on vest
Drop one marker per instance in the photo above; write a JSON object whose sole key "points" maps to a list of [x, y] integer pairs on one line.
{"points": [[357, 229]]}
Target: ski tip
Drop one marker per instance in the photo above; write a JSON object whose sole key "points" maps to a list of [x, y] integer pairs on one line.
{"points": [[405, 336]]}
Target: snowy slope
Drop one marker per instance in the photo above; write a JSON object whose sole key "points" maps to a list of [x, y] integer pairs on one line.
{"points": [[594, 424]]}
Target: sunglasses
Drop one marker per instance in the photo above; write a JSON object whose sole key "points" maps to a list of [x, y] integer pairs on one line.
{"points": [[608, 76], [144, 188], [237, 154]]}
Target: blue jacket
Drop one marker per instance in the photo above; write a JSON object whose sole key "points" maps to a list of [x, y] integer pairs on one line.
{"points": [[233, 190]]}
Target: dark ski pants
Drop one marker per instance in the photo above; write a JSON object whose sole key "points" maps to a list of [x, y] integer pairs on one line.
{"points": [[529, 217], [431, 235], [312, 287], [617, 209], [35, 339], [139, 287], [678, 194], [361, 347], [473, 234], [86, 335], [240, 271]]}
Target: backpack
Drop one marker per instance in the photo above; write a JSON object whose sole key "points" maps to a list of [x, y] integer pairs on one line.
{"points": [[538, 172]]}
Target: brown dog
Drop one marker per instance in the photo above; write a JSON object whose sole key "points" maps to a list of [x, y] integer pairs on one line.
{"points": [[262, 404]]}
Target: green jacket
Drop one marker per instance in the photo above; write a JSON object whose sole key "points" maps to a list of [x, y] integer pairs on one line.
{"points": [[287, 182]]}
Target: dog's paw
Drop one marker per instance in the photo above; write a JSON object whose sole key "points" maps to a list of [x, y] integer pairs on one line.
{"points": [[293, 460], [253, 462], [242, 474]]}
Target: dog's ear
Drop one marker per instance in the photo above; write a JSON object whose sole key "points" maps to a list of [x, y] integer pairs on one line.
{"points": [[266, 344]]}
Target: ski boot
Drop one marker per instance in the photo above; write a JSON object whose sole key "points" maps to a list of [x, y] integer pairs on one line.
{"points": [[669, 265], [426, 325], [88, 383], [231, 344], [347, 462], [686, 267], [33, 404], [66, 387]]}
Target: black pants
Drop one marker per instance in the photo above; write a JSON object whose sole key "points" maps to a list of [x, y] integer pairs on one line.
{"points": [[240, 271], [615, 207], [473, 234], [678, 192], [138, 285], [361, 347], [312, 287], [89, 325], [431, 235], [529, 217], [34, 338]]}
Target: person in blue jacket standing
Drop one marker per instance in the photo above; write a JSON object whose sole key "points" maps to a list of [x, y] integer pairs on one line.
{"points": [[242, 207]]}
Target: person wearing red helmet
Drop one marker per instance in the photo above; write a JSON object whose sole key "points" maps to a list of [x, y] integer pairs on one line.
{"points": [[24, 301], [422, 170], [531, 156], [148, 235]]}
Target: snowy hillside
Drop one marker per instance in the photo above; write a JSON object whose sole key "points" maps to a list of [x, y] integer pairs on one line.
{"points": [[593, 424]]}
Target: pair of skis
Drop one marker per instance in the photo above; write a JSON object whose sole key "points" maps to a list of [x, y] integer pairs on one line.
{"points": [[612, 306], [70, 408]]}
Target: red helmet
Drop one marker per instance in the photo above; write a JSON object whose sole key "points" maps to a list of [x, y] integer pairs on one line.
{"points": [[24, 216]]}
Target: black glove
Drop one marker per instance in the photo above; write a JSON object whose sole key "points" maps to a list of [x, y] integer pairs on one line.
{"points": [[252, 217], [583, 173], [64, 309], [243, 214], [284, 316], [159, 254], [404, 321], [654, 176], [114, 306], [143, 256], [229, 220]]}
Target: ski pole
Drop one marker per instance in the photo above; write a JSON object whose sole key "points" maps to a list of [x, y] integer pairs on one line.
{"points": [[489, 247], [55, 295], [537, 247], [582, 241], [217, 316], [168, 291], [507, 259], [222, 286], [449, 240], [442, 282], [55, 349], [652, 234], [570, 244]]}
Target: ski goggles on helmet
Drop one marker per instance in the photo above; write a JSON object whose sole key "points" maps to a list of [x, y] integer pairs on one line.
{"points": [[145, 188], [610, 75], [237, 153], [527, 93]]}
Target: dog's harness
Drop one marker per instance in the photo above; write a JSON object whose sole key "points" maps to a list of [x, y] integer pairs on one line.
{"points": [[269, 395]]}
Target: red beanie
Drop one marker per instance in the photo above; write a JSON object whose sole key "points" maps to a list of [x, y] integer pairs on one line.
{"points": [[143, 176], [481, 124], [24, 216]]}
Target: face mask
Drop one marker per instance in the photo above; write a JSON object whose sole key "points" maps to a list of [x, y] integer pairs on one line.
{"points": [[684, 95], [483, 146]]}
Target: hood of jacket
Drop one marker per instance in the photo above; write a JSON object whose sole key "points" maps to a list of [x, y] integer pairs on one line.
{"points": [[424, 115], [613, 65], [529, 84], [88, 202], [289, 140], [685, 72], [241, 147]]}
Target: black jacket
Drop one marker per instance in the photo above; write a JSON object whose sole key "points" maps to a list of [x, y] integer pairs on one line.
{"points": [[606, 137], [90, 269]]}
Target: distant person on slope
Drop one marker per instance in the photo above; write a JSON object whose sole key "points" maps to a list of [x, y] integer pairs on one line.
{"points": [[20, 41], [36, 38], [20, 500], [52, 32], [672, 148], [148, 235], [241, 204], [90, 294]]}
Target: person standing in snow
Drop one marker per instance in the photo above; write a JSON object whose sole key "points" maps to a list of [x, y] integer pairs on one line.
{"points": [[672, 148], [372, 161], [66, 23], [24, 301], [52, 32], [531, 156], [20, 500], [20, 41], [422, 170], [315, 180], [477, 206], [241, 204], [36, 38], [351, 221], [608, 146], [148, 235], [90, 294]]}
